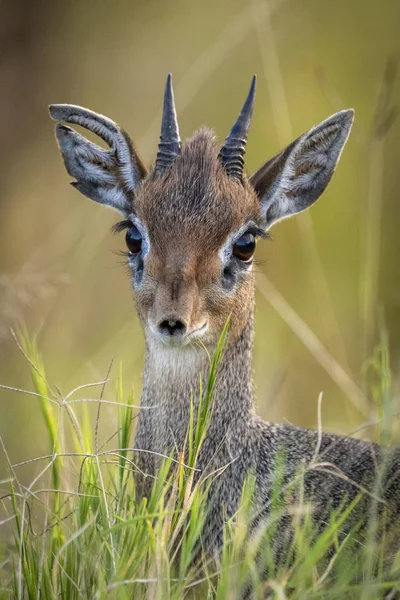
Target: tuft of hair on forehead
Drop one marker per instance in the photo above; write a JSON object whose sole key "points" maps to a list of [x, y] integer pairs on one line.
{"points": [[197, 163], [196, 192], [202, 150]]}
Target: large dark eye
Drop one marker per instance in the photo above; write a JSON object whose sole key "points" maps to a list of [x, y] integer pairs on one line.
{"points": [[133, 240], [244, 247]]}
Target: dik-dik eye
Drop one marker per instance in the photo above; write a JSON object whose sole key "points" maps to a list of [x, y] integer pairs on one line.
{"points": [[134, 240], [244, 247]]}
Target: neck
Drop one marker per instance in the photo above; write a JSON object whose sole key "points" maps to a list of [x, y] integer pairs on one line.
{"points": [[172, 377]]}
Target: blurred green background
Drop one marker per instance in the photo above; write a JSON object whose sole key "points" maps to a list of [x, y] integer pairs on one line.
{"points": [[332, 274]]}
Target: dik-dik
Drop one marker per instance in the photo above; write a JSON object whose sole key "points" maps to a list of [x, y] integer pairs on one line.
{"points": [[192, 223]]}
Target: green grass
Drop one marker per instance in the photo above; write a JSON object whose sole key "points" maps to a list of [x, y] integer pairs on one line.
{"points": [[86, 535]]}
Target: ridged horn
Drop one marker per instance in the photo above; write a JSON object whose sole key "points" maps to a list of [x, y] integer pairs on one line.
{"points": [[170, 142], [233, 151]]}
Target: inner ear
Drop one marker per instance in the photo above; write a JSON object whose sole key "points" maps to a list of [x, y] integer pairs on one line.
{"points": [[296, 177], [110, 175]]}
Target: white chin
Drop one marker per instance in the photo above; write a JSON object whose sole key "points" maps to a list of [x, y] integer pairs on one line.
{"points": [[191, 340]]}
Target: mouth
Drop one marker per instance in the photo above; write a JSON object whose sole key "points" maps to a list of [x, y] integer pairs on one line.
{"points": [[179, 340], [197, 333]]}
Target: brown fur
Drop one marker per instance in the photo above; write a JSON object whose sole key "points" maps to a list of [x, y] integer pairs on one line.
{"points": [[189, 213]]}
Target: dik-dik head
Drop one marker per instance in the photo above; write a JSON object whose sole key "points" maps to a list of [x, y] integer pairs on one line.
{"points": [[193, 220]]}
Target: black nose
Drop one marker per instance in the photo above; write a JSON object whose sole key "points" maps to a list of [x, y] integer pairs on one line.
{"points": [[172, 327]]}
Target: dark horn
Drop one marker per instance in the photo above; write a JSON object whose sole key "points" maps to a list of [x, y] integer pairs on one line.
{"points": [[233, 151], [170, 143]]}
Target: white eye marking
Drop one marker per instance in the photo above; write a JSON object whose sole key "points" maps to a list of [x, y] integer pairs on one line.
{"points": [[225, 252], [145, 236]]}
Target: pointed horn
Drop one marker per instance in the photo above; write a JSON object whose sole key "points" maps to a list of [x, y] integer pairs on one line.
{"points": [[233, 151], [170, 143]]}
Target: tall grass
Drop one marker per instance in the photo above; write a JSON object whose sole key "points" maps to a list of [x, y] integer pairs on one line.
{"points": [[79, 531]]}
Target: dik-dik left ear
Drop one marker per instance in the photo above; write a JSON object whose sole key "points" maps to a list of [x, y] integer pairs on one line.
{"points": [[109, 177], [296, 177]]}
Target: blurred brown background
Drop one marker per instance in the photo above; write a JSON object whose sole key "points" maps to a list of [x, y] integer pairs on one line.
{"points": [[335, 268]]}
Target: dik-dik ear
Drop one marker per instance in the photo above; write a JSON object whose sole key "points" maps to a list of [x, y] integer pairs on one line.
{"points": [[106, 176], [295, 178]]}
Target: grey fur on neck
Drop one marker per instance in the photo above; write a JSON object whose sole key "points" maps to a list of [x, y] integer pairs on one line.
{"points": [[238, 438], [172, 377]]}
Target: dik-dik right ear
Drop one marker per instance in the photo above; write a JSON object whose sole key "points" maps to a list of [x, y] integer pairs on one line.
{"points": [[296, 177], [109, 177]]}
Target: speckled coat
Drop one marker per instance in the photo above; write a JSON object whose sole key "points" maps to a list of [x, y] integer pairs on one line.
{"points": [[187, 220], [237, 437]]}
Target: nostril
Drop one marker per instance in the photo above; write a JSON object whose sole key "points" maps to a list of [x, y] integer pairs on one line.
{"points": [[172, 327]]}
